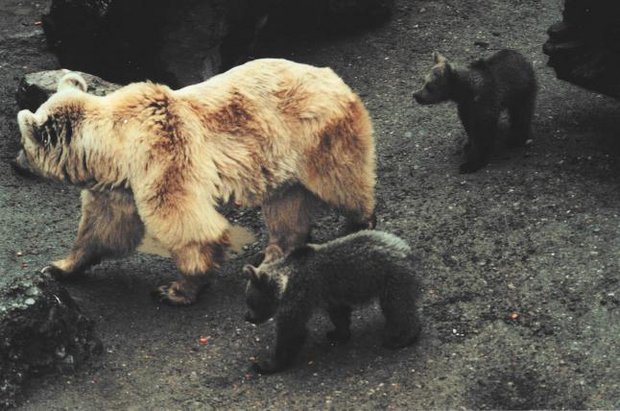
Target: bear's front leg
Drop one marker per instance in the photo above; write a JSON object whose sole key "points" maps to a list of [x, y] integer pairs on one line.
{"points": [[478, 154], [340, 315], [193, 261], [291, 335], [109, 227], [180, 215]]}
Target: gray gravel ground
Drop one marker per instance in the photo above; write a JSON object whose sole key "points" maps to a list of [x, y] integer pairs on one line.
{"points": [[520, 261]]}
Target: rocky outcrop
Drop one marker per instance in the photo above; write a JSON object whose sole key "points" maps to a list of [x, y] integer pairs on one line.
{"points": [[584, 48], [35, 88], [41, 330]]}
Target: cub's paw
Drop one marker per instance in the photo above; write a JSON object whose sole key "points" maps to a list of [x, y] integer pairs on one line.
{"points": [[471, 166], [174, 294], [400, 341], [256, 259], [338, 336], [266, 367], [57, 273]]}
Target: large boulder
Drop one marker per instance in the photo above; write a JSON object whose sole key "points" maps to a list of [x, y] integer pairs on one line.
{"points": [[584, 48], [41, 330], [184, 42]]}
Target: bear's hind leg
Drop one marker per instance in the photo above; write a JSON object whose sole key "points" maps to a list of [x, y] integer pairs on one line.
{"points": [[482, 140], [340, 315], [521, 114], [351, 190], [109, 227], [402, 326]]}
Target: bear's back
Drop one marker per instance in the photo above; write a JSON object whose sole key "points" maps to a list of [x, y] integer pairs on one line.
{"points": [[356, 268], [513, 76], [280, 85]]}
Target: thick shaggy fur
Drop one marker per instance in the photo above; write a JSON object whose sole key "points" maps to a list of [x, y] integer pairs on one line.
{"points": [[337, 275], [270, 132], [505, 80]]}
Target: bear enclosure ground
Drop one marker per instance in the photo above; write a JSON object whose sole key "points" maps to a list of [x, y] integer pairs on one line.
{"points": [[520, 261]]}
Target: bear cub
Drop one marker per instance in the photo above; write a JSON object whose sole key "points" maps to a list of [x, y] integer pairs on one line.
{"points": [[337, 275], [506, 80]]}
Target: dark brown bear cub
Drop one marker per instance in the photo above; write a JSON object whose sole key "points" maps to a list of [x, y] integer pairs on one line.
{"points": [[505, 80], [337, 275]]}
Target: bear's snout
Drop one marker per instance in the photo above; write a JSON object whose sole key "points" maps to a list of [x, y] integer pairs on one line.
{"points": [[21, 165]]}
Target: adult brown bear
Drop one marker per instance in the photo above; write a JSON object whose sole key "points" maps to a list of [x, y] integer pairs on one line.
{"points": [[155, 161]]}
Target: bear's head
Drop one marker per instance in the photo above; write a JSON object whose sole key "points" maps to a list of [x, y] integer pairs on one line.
{"points": [[50, 137], [265, 286], [437, 85]]}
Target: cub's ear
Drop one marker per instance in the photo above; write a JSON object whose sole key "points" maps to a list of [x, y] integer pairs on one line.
{"points": [[251, 272], [439, 58], [72, 80], [301, 253], [273, 252]]}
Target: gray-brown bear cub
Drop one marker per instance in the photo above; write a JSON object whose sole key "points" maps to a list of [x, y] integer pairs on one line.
{"points": [[337, 275], [506, 80]]}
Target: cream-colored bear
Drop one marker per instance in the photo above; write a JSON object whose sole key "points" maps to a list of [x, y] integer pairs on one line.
{"points": [[155, 161]]}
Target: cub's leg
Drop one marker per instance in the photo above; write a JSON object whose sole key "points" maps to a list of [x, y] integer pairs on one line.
{"points": [[521, 114], [288, 216], [109, 227], [340, 315], [402, 326], [481, 141], [291, 334]]}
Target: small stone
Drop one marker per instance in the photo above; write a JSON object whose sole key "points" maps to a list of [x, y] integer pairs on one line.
{"points": [[30, 301]]}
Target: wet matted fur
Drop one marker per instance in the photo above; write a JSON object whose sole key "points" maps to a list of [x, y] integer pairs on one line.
{"points": [[156, 161]]}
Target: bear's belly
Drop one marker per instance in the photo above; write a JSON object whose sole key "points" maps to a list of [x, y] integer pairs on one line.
{"points": [[239, 237]]}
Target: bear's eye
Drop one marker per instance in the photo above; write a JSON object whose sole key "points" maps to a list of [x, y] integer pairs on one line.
{"points": [[41, 135]]}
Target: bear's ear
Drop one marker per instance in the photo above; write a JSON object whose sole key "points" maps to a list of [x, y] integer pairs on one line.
{"points": [[439, 58], [272, 253], [301, 253], [251, 272], [72, 80]]}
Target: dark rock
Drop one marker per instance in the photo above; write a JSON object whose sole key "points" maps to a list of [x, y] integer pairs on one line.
{"points": [[35, 88], [584, 48], [129, 40], [41, 330], [180, 43]]}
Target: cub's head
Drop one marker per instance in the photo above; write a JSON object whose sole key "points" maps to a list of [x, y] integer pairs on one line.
{"points": [[436, 88], [265, 286], [49, 136]]}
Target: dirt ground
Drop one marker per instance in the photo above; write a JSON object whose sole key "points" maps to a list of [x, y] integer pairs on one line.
{"points": [[520, 261]]}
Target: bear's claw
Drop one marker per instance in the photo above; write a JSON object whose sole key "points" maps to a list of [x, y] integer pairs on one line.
{"points": [[55, 272], [171, 294]]}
